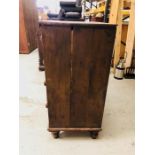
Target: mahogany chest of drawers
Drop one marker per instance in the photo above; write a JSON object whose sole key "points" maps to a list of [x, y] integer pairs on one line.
{"points": [[77, 57]]}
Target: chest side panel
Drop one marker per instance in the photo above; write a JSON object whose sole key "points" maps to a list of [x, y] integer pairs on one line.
{"points": [[91, 57]]}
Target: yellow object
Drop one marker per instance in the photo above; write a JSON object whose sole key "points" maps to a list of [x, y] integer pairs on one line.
{"points": [[99, 15], [125, 12], [100, 9]]}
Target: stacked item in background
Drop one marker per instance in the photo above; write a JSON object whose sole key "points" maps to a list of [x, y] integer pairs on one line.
{"points": [[68, 11]]}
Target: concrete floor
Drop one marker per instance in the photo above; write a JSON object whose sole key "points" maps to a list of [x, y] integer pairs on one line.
{"points": [[116, 138]]}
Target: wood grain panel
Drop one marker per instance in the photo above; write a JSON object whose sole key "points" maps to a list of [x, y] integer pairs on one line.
{"points": [[56, 42], [91, 56], [23, 46], [31, 23], [77, 60], [40, 50]]}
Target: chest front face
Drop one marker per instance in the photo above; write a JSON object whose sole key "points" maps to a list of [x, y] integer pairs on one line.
{"points": [[77, 63]]}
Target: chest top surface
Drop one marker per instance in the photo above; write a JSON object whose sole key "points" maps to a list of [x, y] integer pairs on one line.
{"points": [[74, 23]]}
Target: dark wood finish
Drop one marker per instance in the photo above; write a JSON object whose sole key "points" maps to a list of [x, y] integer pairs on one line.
{"points": [[73, 129], [59, 23], [56, 41], [76, 23], [90, 71], [77, 60], [28, 23], [40, 50]]}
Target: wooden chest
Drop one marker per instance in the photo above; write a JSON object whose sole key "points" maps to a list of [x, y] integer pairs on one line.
{"points": [[77, 58]]}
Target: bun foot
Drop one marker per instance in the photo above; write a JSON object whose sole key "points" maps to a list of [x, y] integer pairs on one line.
{"points": [[55, 134], [42, 68], [93, 134]]}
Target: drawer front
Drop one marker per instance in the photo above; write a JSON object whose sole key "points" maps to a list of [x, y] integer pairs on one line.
{"points": [[56, 44]]}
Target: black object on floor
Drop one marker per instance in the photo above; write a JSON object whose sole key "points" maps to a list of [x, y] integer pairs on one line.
{"points": [[129, 73]]}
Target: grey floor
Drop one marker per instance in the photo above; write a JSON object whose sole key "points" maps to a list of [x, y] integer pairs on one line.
{"points": [[116, 138]]}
